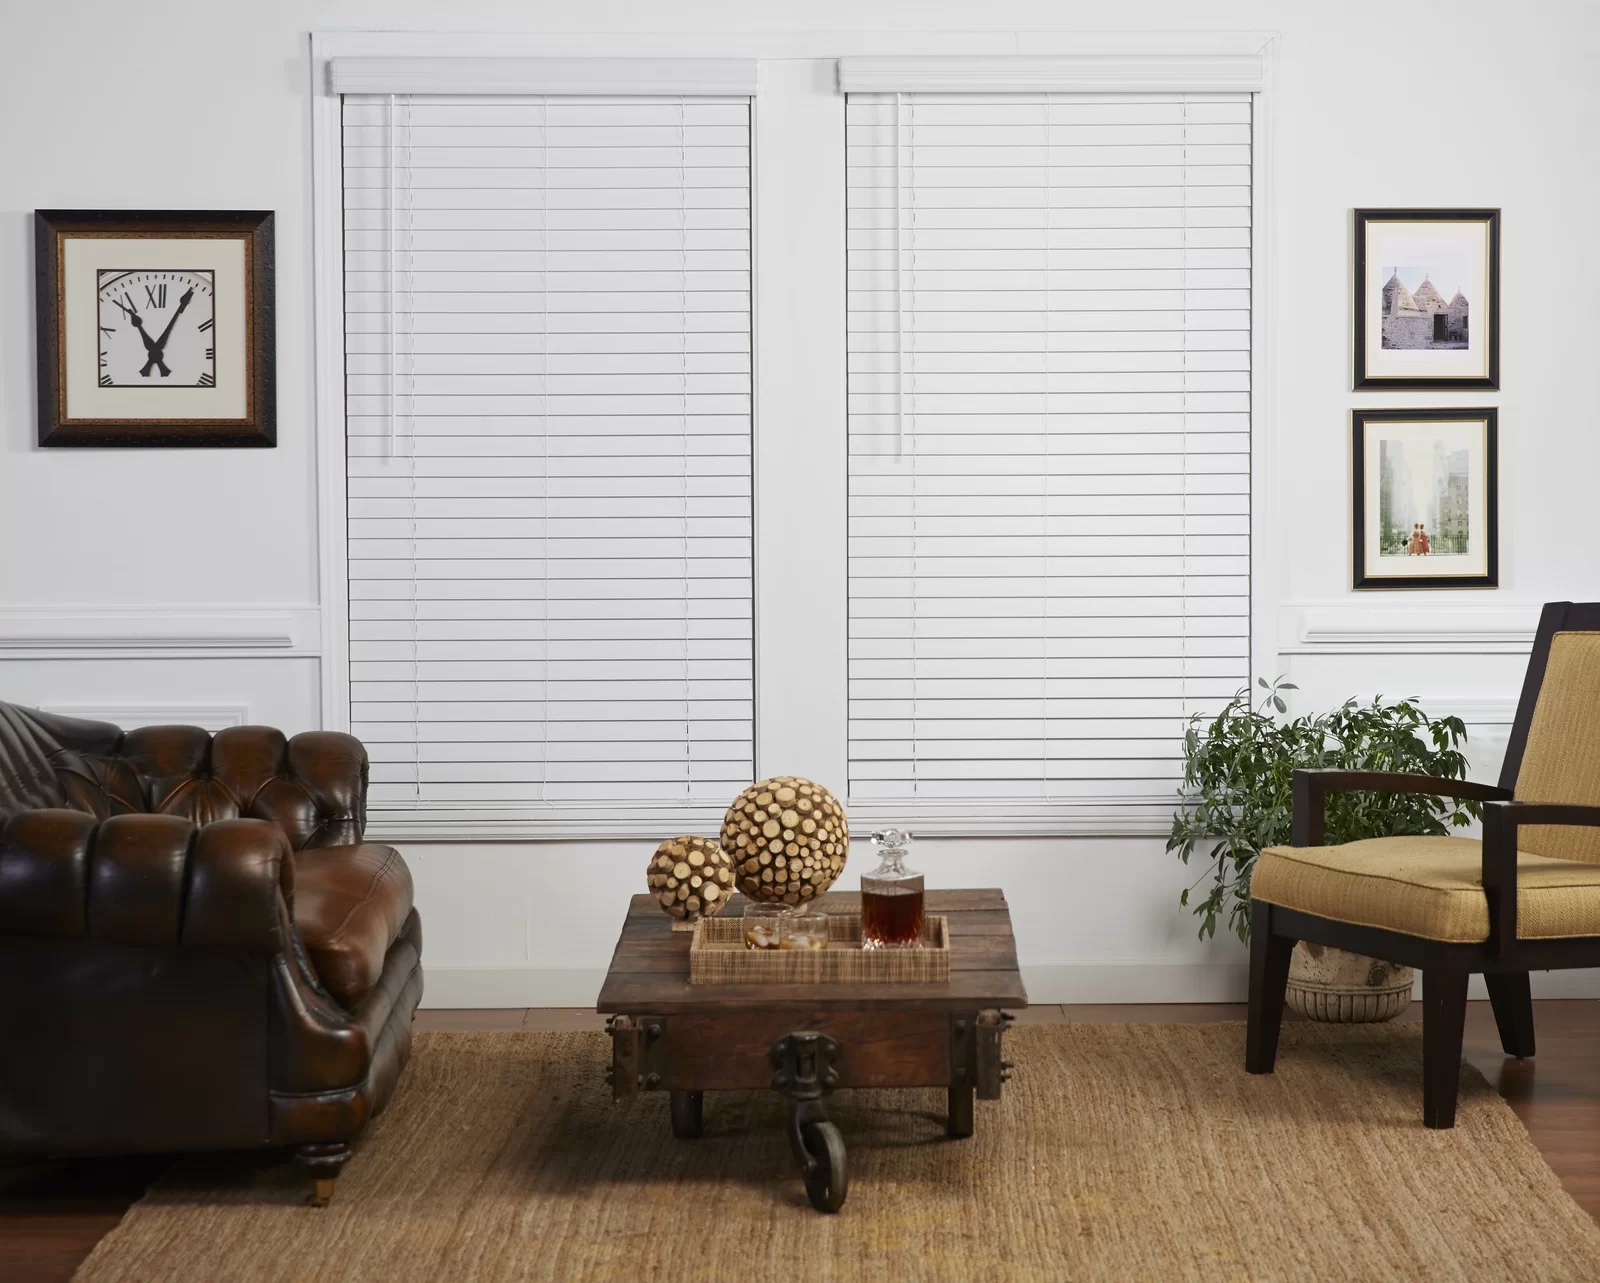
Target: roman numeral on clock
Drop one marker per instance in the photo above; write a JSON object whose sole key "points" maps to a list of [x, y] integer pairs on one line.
{"points": [[105, 380], [206, 381], [205, 325], [211, 354], [155, 295]]}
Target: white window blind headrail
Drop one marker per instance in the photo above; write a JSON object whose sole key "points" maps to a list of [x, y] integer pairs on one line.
{"points": [[1049, 395], [714, 77], [1066, 73], [547, 314]]}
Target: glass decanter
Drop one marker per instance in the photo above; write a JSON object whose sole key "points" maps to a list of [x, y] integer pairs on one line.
{"points": [[891, 897]]}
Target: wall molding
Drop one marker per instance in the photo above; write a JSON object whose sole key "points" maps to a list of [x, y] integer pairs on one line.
{"points": [[1090, 983], [1343, 627], [159, 632], [209, 717]]}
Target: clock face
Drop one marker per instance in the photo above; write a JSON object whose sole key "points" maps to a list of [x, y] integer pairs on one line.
{"points": [[156, 328]]}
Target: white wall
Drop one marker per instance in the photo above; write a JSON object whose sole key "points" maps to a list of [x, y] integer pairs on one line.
{"points": [[206, 103]]}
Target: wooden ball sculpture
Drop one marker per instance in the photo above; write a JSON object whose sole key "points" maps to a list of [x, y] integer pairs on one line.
{"points": [[788, 840], [692, 877]]}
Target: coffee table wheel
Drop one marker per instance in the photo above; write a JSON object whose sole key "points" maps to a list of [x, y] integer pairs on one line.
{"points": [[826, 1178], [688, 1113]]}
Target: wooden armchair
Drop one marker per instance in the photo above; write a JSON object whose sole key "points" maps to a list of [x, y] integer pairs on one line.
{"points": [[1526, 897]]}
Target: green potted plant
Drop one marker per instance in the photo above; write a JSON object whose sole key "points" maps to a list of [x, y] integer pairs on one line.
{"points": [[1237, 799]]}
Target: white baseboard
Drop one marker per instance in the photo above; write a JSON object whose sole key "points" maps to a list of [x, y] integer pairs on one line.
{"points": [[1056, 982], [1120, 982], [520, 986]]}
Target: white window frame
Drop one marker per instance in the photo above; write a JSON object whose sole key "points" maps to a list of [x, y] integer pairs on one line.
{"points": [[798, 336]]}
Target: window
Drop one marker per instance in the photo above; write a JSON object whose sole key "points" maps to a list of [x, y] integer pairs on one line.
{"points": [[1049, 436], [547, 319]]}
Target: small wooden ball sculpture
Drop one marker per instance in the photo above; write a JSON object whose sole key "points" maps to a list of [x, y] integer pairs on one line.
{"points": [[692, 877], [788, 840]]}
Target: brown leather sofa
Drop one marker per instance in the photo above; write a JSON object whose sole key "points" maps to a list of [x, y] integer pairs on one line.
{"points": [[197, 950]]}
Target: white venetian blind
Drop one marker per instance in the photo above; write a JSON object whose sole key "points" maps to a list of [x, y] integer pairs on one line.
{"points": [[1049, 378], [547, 309]]}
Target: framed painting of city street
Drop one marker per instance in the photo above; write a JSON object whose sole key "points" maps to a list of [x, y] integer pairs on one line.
{"points": [[1425, 498], [1427, 298], [155, 327]]}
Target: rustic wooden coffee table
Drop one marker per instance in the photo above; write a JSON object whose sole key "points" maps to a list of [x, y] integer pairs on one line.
{"points": [[805, 1040]]}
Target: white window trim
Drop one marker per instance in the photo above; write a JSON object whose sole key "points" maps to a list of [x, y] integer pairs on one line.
{"points": [[799, 379]]}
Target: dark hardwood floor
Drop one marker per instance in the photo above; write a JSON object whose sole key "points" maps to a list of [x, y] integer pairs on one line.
{"points": [[52, 1214]]}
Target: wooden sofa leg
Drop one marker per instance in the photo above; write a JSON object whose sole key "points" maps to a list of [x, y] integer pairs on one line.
{"points": [[1269, 978], [1512, 1000], [323, 1162], [1444, 1018]]}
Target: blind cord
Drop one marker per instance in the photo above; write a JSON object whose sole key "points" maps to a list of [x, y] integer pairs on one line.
{"points": [[908, 343], [683, 419], [400, 197], [1044, 568], [1185, 702], [544, 446]]}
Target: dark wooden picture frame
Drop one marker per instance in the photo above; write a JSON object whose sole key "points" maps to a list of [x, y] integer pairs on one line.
{"points": [[258, 426], [1363, 379], [1358, 426]]}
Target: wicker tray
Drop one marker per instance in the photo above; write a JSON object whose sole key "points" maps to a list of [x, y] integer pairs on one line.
{"points": [[717, 956]]}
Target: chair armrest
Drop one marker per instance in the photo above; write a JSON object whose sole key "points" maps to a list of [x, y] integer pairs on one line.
{"points": [[154, 880], [1501, 820], [1311, 789], [332, 768]]}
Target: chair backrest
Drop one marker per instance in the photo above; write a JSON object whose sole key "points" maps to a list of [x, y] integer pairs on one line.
{"points": [[1554, 751], [313, 786]]}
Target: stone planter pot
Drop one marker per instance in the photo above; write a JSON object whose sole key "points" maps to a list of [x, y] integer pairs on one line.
{"points": [[1332, 984]]}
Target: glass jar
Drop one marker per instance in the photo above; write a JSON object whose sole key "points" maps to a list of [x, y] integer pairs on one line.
{"points": [[892, 897]]}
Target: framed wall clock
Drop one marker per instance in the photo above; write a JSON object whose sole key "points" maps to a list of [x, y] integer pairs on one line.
{"points": [[156, 328]]}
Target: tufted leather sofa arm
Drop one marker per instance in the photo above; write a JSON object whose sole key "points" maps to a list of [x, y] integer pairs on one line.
{"points": [[150, 880]]}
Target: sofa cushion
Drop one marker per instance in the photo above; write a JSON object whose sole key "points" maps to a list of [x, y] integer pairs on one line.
{"points": [[1430, 887], [349, 905]]}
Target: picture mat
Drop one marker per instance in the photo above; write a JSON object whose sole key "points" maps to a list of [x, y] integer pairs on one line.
{"points": [[1424, 244], [82, 259], [1469, 434]]}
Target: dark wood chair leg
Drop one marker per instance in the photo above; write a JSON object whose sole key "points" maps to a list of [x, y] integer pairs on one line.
{"points": [[1269, 977], [1512, 1000], [324, 1163], [1444, 1018]]}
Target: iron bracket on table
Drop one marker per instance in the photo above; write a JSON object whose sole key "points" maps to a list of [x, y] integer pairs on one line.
{"points": [[976, 1067], [638, 1054]]}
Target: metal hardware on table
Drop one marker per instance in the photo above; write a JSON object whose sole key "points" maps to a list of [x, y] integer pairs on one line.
{"points": [[803, 1070]]}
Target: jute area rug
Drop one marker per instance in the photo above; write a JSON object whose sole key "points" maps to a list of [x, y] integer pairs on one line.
{"points": [[1123, 1152]]}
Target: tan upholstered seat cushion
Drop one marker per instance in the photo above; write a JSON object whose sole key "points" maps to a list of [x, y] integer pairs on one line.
{"points": [[1428, 887], [1562, 761]]}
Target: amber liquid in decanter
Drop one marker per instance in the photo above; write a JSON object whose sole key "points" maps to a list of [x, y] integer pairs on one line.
{"points": [[891, 897]]}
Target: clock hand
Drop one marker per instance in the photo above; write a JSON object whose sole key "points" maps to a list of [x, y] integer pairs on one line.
{"points": [[160, 345], [133, 316]]}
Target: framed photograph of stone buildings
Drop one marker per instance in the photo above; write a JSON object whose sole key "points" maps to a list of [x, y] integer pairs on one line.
{"points": [[1427, 298], [1425, 498]]}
